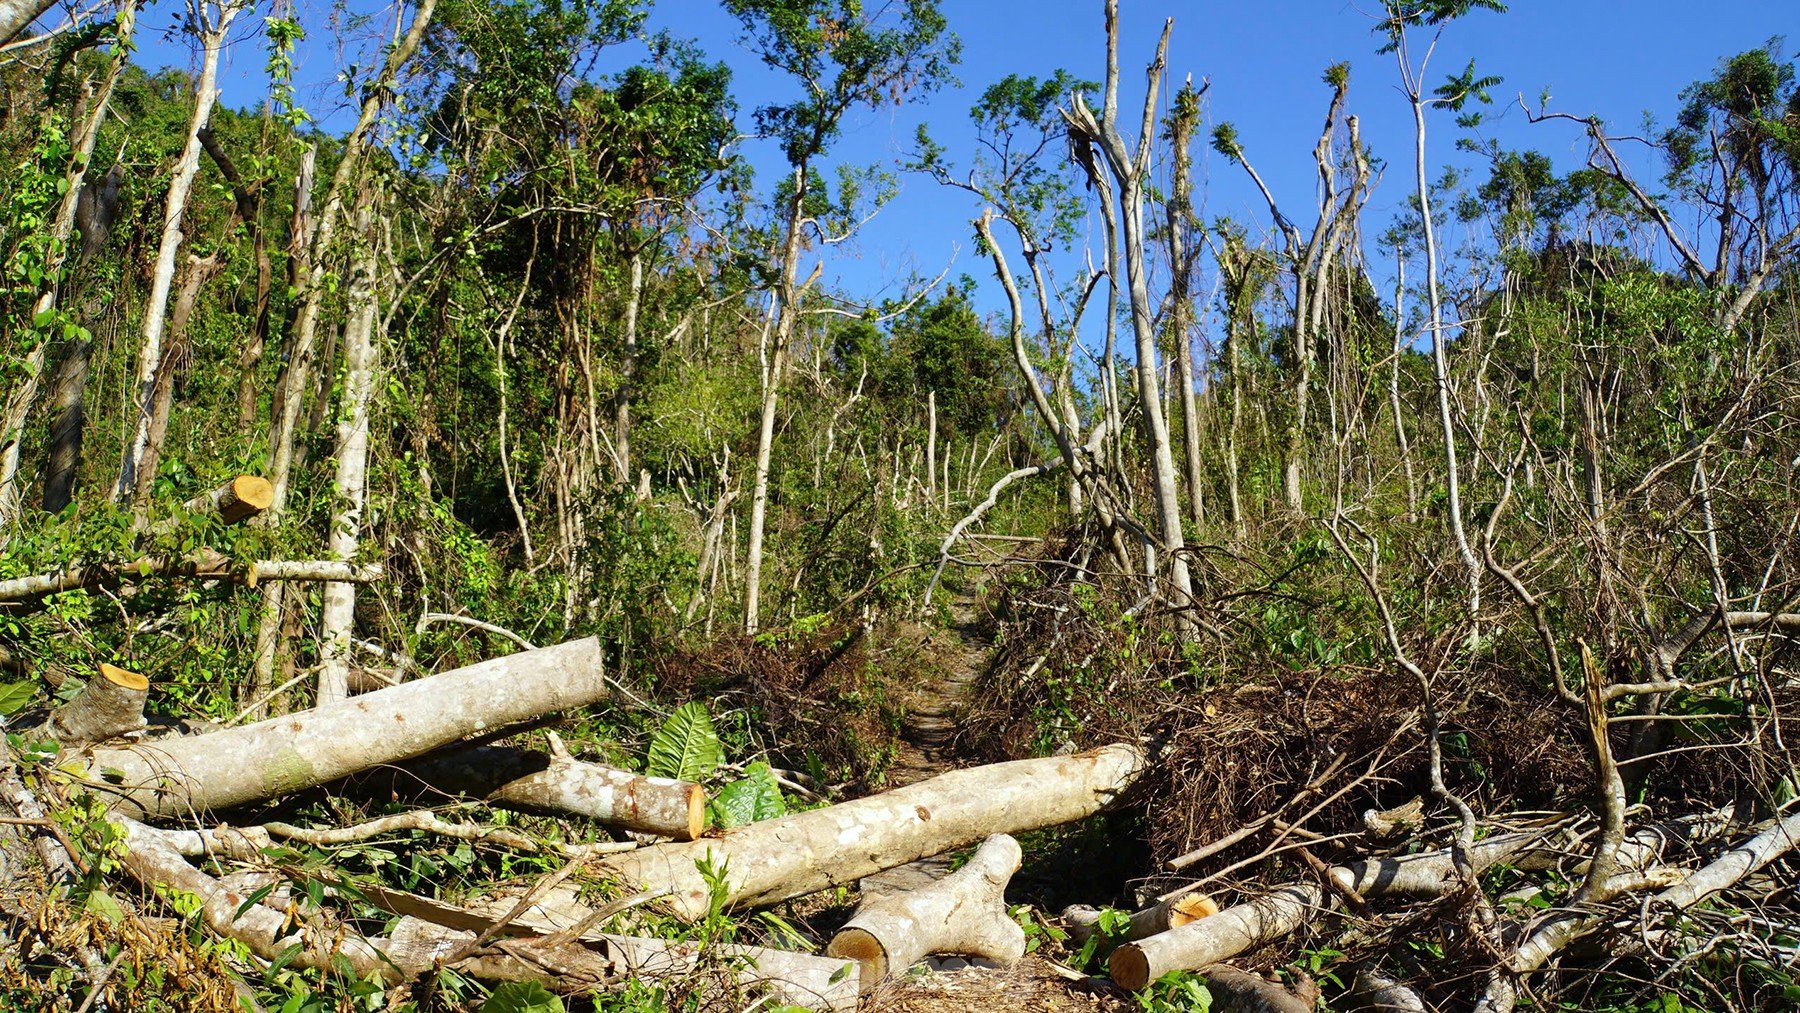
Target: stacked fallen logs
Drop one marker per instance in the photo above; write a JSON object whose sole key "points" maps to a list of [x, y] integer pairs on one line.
{"points": [[412, 741], [427, 741]]}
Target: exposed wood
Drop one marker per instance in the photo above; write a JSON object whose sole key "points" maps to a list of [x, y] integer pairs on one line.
{"points": [[111, 704], [800, 854], [239, 499], [272, 758], [963, 913]]}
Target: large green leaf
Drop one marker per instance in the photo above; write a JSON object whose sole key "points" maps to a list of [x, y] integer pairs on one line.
{"points": [[15, 695], [686, 746], [753, 797], [522, 997]]}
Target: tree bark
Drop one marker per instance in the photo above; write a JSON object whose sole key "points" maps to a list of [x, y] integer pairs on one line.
{"points": [[554, 783], [272, 758], [787, 297], [800, 854], [1261, 921], [361, 371], [205, 564], [17, 15], [110, 705], [18, 408], [964, 913], [150, 356]]}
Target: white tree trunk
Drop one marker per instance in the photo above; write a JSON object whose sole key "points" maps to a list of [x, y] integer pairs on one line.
{"points": [[252, 763], [110, 705], [772, 861], [181, 183], [360, 372]]}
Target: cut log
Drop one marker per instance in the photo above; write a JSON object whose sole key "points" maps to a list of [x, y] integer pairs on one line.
{"points": [[775, 860], [237, 500], [555, 784], [1261, 921], [111, 704], [964, 914], [1083, 921], [266, 760]]}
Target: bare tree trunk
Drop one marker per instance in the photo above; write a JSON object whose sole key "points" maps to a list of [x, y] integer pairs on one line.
{"points": [[361, 374], [17, 15], [787, 296], [308, 283], [628, 371], [1130, 169], [1440, 350], [771, 861], [1181, 215], [150, 356], [253, 763]]}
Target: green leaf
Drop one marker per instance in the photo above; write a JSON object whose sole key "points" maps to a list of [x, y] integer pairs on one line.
{"points": [[102, 904], [753, 797], [686, 746], [15, 695], [522, 997]]}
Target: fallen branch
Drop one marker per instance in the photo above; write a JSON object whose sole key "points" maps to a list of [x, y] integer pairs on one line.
{"points": [[427, 821], [772, 861], [554, 783], [205, 564], [271, 758], [964, 913], [1261, 921]]}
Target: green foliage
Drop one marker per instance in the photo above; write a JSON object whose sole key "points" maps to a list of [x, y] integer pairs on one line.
{"points": [[686, 746], [522, 997], [753, 797], [1176, 992]]}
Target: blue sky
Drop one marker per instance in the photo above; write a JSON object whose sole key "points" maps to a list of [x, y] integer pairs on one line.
{"points": [[1615, 58]]}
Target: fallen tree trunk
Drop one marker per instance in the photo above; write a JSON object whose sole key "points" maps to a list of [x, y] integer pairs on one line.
{"points": [[777, 859], [109, 705], [964, 914], [1083, 922], [205, 564], [1247, 926], [272, 758], [555, 783]]}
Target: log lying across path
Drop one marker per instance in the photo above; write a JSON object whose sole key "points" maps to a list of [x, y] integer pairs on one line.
{"points": [[554, 783], [775, 860], [964, 913], [285, 754]]}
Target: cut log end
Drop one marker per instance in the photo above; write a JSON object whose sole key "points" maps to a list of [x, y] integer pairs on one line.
{"points": [[247, 496], [696, 807], [1129, 968], [861, 946], [124, 678]]}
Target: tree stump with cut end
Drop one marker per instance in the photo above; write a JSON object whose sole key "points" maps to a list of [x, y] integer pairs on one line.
{"points": [[110, 705]]}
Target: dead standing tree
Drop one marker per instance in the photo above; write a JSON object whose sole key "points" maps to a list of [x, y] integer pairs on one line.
{"points": [[1096, 142]]}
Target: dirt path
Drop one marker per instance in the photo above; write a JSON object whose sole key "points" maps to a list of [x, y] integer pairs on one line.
{"points": [[934, 709]]}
